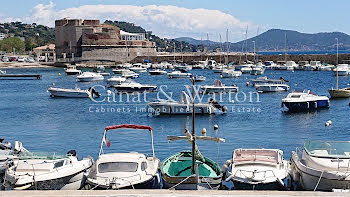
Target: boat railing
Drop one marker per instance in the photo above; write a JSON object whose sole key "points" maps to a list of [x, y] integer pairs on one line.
{"points": [[114, 179]]}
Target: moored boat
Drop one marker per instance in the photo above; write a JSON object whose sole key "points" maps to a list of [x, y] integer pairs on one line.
{"points": [[73, 93], [124, 170], [306, 100], [322, 165], [179, 74], [89, 77], [263, 169], [131, 86], [219, 87], [72, 70], [157, 72], [115, 80]]}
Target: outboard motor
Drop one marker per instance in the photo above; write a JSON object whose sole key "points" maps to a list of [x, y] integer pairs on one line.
{"points": [[72, 153], [94, 92], [217, 105]]}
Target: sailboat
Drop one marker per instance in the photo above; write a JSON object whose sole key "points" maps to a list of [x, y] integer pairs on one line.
{"points": [[339, 93], [190, 170]]}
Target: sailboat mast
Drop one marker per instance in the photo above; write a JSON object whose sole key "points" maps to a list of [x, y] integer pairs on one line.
{"points": [[285, 47], [220, 48], [226, 59], [337, 63], [207, 45], [193, 130], [246, 44]]}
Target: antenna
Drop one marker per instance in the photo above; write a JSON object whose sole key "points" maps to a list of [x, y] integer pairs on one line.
{"points": [[193, 130]]}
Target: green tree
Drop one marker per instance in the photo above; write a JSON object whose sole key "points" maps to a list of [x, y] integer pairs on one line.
{"points": [[9, 44]]}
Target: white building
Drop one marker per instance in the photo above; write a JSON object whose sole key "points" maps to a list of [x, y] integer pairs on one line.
{"points": [[2, 36]]}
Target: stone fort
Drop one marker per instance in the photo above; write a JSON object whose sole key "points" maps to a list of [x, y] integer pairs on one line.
{"points": [[89, 40]]}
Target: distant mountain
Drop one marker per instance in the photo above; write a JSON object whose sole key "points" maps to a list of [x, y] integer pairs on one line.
{"points": [[274, 40], [196, 42]]}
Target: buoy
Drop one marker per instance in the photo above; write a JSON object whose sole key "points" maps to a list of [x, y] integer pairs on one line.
{"points": [[247, 83], [204, 131], [328, 123], [109, 92], [59, 74], [216, 127]]}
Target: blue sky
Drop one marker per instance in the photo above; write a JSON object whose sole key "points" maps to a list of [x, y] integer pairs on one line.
{"points": [[310, 16]]}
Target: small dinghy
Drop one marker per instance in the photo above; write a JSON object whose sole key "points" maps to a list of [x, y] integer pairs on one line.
{"points": [[124, 170], [263, 169], [47, 171]]}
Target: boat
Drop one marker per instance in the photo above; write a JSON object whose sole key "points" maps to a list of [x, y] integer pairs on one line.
{"points": [[272, 87], [257, 70], [219, 87], [47, 171], [270, 65], [339, 93], [199, 78], [138, 68], [157, 72], [190, 170], [2, 72], [246, 70], [131, 86], [228, 73], [306, 100], [182, 67], [322, 165], [124, 170], [73, 93], [183, 106], [115, 80], [257, 169], [72, 70], [101, 70], [265, 79], [219, 68], [342, 70], [90, 76], [119, 69], [130, 74], [179, 74]]}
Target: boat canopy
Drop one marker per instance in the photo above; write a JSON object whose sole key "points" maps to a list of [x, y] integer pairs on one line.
{"points": [[257, 155], [128, 126], [328, 149]]}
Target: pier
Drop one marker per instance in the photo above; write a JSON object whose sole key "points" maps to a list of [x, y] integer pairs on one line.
{"points": [[20, 76], [165, 193]]}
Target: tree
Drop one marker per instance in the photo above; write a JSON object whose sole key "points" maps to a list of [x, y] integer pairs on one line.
{"points": [[9, 44]]}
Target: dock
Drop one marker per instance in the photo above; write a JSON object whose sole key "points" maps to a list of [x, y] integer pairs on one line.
{"points": [[166, 193], [20, 76]]}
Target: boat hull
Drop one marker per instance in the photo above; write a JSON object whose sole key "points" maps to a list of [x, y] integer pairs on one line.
{"points": [[73, 72], [190, 186], [261, 186], [181, 109], [172, 76], [153, 183], [307, 177], [90, 79], [135, 89], [307, 105], [271, 88], [341, 93], [70, 94]]}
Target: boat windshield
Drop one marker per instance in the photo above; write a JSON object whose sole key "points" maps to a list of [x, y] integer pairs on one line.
{"points": [[328, 149], [117, 167], [255, 155], [40, 155]]}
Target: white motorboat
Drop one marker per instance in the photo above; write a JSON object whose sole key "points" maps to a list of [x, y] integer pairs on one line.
{"points": [[342, 69], [198, 66], [47, 171], [219, 87], [257, 70], [265, 79], [90, 76], [124, 170], [119, 70], [270, 65], [291, 65], [219, 68], [7, 152], [73, 93], [272, 87], [327, 67], [138, 68], [306, 100], [315, 65], [130, 74], [229, 73], [323, 165], [131, 86], [263, 169], [101, 70], [182, 67], [184, 106], [72, 70], [246, 70], [115, 80], [179, 74], [199, 78], [157, 72]]}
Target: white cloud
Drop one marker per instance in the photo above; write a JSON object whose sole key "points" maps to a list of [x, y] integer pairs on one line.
{"points": [[164, 21]]}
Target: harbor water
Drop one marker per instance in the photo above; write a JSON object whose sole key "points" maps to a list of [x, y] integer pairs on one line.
{"points": [[28, 114]]}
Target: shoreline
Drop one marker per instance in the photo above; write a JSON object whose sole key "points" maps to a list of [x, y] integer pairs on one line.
{"points": [[13, 65]]}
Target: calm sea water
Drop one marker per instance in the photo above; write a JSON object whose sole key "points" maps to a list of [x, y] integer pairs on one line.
{"points": [[303, 52], [28, 114]]}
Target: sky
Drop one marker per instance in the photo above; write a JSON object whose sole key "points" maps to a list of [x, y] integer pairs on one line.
{"points": [[191, 18]]}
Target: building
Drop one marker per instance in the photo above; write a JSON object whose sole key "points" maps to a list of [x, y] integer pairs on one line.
{"points": [[88, 40], [2, 36], [45, 53]]}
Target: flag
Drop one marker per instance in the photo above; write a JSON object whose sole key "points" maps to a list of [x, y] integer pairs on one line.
{"points": [[106, 141]]}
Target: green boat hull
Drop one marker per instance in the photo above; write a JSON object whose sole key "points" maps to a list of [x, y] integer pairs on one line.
{"points": [[177, 168]]}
